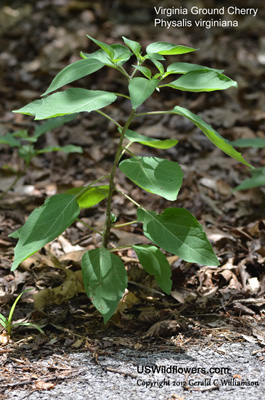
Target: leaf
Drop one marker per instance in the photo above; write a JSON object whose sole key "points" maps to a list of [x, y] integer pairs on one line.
{"points": [[148, 141], [155, 263], [3, 320], [45, 224], [100, 55], [30, 325], [105, 280], [257, 180], [166, 48], [72, 72], [145, 71], [27, 152], [212, 135], [68, 102], [69, 148], [154, 56], [88, 197], [105, 47], [155, 175], [183, 68], [178, 232], [122, 58], [133, 45], [10, 140], [251, 142], [140, 89], [202, 81]]}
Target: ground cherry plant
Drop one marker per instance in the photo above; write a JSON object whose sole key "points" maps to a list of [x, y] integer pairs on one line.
{"points": [[175, 230]]}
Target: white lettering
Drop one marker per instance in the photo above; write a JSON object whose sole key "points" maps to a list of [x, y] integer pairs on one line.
{"points": [[207, 11], [242, 11]]}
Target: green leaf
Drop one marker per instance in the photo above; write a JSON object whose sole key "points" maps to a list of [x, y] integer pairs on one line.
{"points": [[88, 197], [121, 53], [155, 263], [3, 320], [184, 68], [122, 58], [202, 81], [257, 180], [167, 49], [140, 89], [68, 102], [155, 175], [133, 45], [45, 224], [21, 134], [14, 306], [212, 135], [10, 140], [105, 280], [177, 231], [251, 142], [148, 141], [27, 152], [30, 325], [153, 56], [145, 71], [69, 148], [158, 65], [105, 47], [52, 124], [72, 72]]}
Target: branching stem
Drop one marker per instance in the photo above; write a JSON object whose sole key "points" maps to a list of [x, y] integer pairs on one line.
{"points": [[107, 228]]}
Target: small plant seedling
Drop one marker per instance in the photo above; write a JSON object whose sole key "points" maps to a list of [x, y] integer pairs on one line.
{"points": [[175, 230], [26, 144], [7, 322]]}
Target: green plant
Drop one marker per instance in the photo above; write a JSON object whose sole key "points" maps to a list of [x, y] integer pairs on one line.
{"points": [[176, 230], [7, 322], [26, 144], [257, 175]]}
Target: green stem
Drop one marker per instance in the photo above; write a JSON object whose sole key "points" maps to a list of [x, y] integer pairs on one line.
{"points": [[108, 222], [119, 248], [122, 70], [108, 117], [125, 224], [89, 227], [122, 95], [124, 149], [155, 113], [131, 200]]}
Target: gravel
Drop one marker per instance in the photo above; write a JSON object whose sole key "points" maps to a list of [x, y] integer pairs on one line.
{"points": [[231, 371]]}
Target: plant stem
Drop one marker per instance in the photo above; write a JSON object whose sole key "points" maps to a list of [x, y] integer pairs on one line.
{"points": [[108, 117], [122, 70], [122, 95], [89, 227], [107, 227], [154, 113], [131, 200], [125, 224], [124, 149]]}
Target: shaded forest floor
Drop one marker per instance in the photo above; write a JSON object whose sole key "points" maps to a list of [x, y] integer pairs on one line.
{"points": [[209, 304]]}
